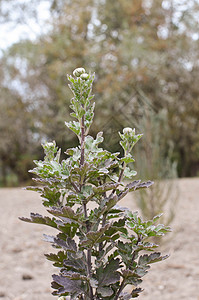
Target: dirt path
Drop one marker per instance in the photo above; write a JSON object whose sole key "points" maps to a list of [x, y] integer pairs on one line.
{"points": [[26, 274]]}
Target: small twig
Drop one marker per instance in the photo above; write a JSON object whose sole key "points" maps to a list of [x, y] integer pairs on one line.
{"points": [[105, 215], [82, 140], [135, 252], [120, 177], [122, 172], [120, 290], [75, 187], [103, 224]]}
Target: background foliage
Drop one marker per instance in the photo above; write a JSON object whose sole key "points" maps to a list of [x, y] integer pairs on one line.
{"points": [[145, 55]]}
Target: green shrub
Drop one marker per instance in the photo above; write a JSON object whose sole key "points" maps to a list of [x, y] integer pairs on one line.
{"points": [[100, 244]]}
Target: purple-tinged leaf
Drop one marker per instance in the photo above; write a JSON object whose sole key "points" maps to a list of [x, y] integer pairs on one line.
{"points": [[109, 274], [65, 212], [143, 185], [94, 237], [58, 258], [39, 219], [66, 285], [151, 258], [135, 293], [133, 184], [75, 264], [129, 273], [131, 277], [106, 187], [68, 245], [105, 291], [73, 275]]}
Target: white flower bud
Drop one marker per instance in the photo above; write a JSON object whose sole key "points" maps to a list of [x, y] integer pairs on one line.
{"points": [[84, 76], [77, 72], [62, 298], [50, 144], [127, 130]]}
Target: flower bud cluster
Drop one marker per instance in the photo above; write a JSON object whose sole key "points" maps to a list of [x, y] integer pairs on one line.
{"points": [[84, 76], [50, 149], [128, 130], [80, 72], [129, 139], [50, 144]]}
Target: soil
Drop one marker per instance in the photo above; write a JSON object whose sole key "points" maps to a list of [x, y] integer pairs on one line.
{"points": [[26, 274]]}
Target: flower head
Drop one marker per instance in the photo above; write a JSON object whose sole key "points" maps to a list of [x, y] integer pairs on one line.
{"points": [[128, 130], [50, 144], [84, 76], [77, 72]]}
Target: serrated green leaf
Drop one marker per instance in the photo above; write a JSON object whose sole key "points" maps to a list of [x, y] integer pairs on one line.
{"points": [[94, 237], [67, 213], [66, 285], [108, 275], [75, 264], [131, 277], [73, 275], [115, 228], [68, 244], [105, 291], [39, 219], [74, 126], [58, 258], [151, 258], [105, 187], [135, 293], [127, 159], [129, 173]]}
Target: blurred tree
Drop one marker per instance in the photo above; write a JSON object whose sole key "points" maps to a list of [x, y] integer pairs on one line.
{"points": [[135, 47], [154, 158], [16, 138]]}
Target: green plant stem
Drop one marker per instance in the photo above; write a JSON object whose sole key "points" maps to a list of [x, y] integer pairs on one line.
{"points": [[75, 187], [135, 252], [103, 219], [82, 159], [89, 271], [123, 282], [82, 140], [120, 290], [88, 252], [122, 172], [120, 177], [103, 224]]}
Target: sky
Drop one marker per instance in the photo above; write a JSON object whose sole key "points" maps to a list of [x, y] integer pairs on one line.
{"points": [[11, 33]]}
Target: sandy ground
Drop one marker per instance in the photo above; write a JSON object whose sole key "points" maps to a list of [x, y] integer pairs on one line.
{"points": [[26, 274]]}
